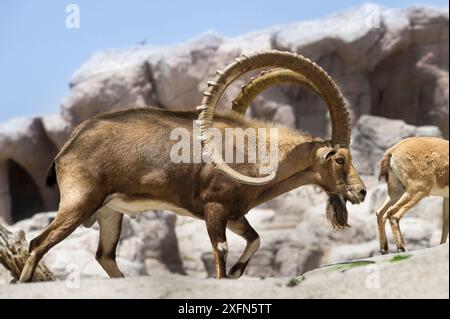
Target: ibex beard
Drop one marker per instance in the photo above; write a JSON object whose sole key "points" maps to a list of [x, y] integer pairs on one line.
{"points": [[337, 214]]}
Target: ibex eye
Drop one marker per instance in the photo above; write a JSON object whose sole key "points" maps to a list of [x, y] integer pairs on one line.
{"points": [[340, 160]]}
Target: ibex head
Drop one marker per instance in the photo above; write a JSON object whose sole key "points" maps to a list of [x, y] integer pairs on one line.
{"points": [[341, 182], [339, 175]]}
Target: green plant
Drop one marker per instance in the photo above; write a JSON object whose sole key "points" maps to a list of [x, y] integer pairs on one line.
{"points": [[295, 281], [397, 258]]}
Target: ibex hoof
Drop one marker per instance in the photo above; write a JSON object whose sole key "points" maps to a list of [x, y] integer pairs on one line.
{"points": [[234, 274], [384, 251], [236, 271]]}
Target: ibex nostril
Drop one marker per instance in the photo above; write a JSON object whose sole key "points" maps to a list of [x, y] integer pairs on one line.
{"points": [[363, 193]]}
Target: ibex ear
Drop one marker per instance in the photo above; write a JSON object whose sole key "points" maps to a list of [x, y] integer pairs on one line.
{"points": [[325, 153]]}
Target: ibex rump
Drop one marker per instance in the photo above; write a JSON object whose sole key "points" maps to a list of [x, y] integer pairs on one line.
{"points": [[119, 163]]}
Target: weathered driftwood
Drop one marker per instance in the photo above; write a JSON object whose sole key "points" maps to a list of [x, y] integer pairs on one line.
{"points": [[14, 253]]}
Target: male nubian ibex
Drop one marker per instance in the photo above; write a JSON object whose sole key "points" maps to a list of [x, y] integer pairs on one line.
{"points": [[119, 163], [414, 168]]}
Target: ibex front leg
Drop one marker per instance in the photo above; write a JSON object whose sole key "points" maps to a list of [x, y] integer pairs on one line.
{"points": [[242, 228], [216, 217]]}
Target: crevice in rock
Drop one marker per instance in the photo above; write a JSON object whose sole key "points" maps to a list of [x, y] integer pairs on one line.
{"points": [[25, 197], [153, 96]]}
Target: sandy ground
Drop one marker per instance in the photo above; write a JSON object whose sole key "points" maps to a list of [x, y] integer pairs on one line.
{"points": [[419, 274]]}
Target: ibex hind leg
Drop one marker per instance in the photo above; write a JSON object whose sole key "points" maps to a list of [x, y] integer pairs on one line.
{"points": [[408, 200], [395, 191], [242, 228], [110, 222], [70, 215]]}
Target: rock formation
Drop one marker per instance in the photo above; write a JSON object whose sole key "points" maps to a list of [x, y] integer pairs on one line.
{"points": [[26, 151], [395, 67]]}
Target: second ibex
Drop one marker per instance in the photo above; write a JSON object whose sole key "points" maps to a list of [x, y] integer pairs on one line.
{"points": [[119, 163]]}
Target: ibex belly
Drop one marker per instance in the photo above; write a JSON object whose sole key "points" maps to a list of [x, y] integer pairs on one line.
{"points": [[436, 190], [132, 207]]}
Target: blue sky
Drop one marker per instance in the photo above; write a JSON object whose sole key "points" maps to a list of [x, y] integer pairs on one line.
{"points": [[38, 53]]}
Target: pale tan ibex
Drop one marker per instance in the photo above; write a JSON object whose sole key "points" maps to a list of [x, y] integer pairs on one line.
{"points": [[119, 163], [414, 168]]}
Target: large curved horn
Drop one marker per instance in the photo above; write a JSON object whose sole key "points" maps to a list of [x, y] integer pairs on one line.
{"points": [[339, 114], [263, 81]]}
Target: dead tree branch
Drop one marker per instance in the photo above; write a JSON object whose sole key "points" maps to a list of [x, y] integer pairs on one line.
{"points": [[14, 253]]}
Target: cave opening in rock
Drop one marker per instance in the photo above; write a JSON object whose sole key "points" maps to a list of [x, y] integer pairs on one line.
{"points": [[25, 197]]}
